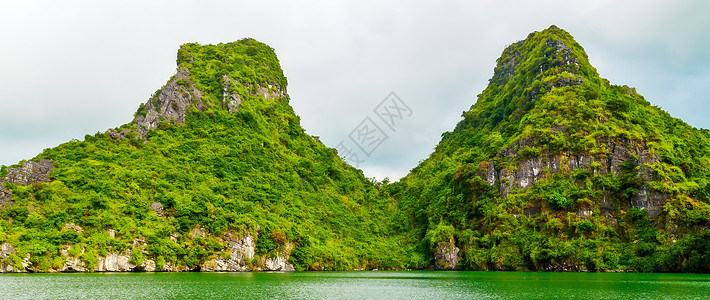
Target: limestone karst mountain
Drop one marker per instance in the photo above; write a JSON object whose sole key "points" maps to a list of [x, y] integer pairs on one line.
{"points": [[554, 168], [214, 173]]}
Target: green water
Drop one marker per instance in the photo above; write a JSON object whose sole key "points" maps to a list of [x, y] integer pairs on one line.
{"points": [[357, 285]]}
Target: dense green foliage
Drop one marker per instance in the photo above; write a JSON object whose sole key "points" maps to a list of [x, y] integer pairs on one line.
{"points": [[254, 171], [549, 95], [257, 172], [252, 63]]}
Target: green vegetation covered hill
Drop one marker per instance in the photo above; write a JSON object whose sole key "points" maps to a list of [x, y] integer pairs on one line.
{"points": [[214, 173], [553, 168]]}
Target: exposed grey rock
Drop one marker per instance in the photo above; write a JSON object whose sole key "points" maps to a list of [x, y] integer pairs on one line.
{"points": [[72, 226], [115, 262], [528, 171], [120, 262], [114, 134], [242, 257], [157, 208], [30, 172], [231, 100], [569, 64], [6, 249], [446, 256], [72, 264], [148, 265], [271, 92], [170, 267], [278, 262], [199, 230], [139, 242], [651, 201], [564, 267], [171, 104], [584, 211], [5, 195], [5, 262], [240, 250]]}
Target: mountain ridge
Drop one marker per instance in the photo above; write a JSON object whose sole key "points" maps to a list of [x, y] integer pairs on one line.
{"points": [[552, 168], [214, 173], [555, 151]]}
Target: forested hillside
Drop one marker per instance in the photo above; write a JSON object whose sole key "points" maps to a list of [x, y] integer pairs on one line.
{"points": [[214, 173], [554, 168]]}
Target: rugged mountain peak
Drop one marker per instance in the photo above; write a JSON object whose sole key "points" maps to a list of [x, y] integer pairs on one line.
{"points": [[236, 185], [551, 52], [226, 75], [169, 104], [525, 71], [551, 155]]}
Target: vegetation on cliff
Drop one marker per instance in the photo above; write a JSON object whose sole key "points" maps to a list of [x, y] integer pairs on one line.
{"points": [[553, 168], [254, 171]]}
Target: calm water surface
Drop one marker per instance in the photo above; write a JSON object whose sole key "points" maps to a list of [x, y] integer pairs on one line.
{"points": [[356, 285]]}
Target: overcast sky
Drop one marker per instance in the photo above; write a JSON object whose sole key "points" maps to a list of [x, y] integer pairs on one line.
{"points": [[70, 68]]}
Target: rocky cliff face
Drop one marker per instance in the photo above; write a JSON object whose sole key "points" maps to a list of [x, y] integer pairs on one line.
{"points": [[278, 262], [241, 257], [10, 262], [171, 104], [129, 181], [446, 256], [231, 100], [29, 173], [522, 173], [241, 253], [557, 51]]}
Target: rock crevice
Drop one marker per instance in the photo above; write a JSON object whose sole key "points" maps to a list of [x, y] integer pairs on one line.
{"points": [[171, 104], [528, 170], [30, 172]]}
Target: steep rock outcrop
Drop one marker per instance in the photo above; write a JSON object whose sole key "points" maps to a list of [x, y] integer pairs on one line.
{"points": [[157, 208], [5, 195], [114, 262], [557, 51], [121, 262], [279, 262], [240, 249], [10, 262], [230, 99], [242, 257], [170, 104], [30, 172], [527, 171], [446, 256], [241, 253], [173, 102], [72, 264]]}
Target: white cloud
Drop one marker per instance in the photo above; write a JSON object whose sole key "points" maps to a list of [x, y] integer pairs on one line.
{"points": [[77, 67]]}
